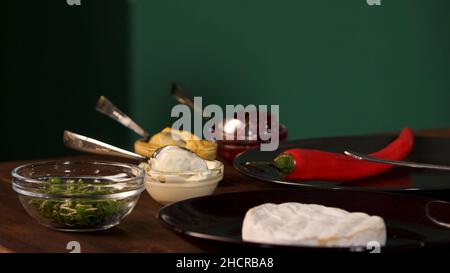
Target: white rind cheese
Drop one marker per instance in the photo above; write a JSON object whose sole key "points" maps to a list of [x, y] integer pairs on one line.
{"points": [[311, 225]]}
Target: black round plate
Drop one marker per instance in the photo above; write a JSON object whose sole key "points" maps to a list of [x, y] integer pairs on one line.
{"points": [[426, 149], [219, 218]]}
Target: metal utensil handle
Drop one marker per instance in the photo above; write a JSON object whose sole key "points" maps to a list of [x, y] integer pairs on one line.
{"points": [[366, 157], [90, 145], [107, 108], [180, 96]]}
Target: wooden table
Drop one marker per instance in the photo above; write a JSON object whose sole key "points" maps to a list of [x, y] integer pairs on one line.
{"points": [[138, 232]]}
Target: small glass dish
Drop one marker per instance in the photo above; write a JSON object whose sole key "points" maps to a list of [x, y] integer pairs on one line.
{"points": [[78, 195], [229, 149], [168, 187]]}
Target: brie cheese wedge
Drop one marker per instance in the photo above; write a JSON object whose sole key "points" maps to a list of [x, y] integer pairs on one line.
{"points": [[311, 225]]}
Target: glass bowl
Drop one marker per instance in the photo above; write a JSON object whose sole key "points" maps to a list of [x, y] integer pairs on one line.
{"points": [[168, 187], [229, 149], [78, 195]]}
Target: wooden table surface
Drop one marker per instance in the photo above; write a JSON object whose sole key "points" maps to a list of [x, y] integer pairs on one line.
{"points": [[138, 232]]}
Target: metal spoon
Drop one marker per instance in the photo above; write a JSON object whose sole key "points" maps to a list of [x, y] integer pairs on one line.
{"points": [[107, 108], [180, 96], [166, 148], [361, 156], [90, 145], [86, 144]]}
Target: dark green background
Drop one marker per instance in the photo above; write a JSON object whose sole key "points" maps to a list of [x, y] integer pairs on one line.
{"points": [[56, 61], [334, 67]]}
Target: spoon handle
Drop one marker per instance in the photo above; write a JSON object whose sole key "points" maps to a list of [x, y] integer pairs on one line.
{"points": [[366, 157], [180, 96], [93, 146], [107, 108]]}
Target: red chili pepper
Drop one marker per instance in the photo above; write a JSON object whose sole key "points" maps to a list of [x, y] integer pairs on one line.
{"points": [[306, 164]]}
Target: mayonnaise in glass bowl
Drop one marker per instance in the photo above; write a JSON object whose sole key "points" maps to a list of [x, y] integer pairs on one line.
{"points": [[168, 187]]}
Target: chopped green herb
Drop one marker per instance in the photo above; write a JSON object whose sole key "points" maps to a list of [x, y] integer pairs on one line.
{"points": [[55, 180], [78, 212]]}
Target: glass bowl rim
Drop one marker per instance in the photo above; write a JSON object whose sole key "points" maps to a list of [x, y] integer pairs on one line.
{"points": [[16, 177], [218, 168]]}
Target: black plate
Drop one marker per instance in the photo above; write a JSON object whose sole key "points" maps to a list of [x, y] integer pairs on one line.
{"points": [[219, 217], [426, 149]]}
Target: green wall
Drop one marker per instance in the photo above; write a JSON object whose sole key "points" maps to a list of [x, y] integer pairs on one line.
{"points": [[334, 67]]}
